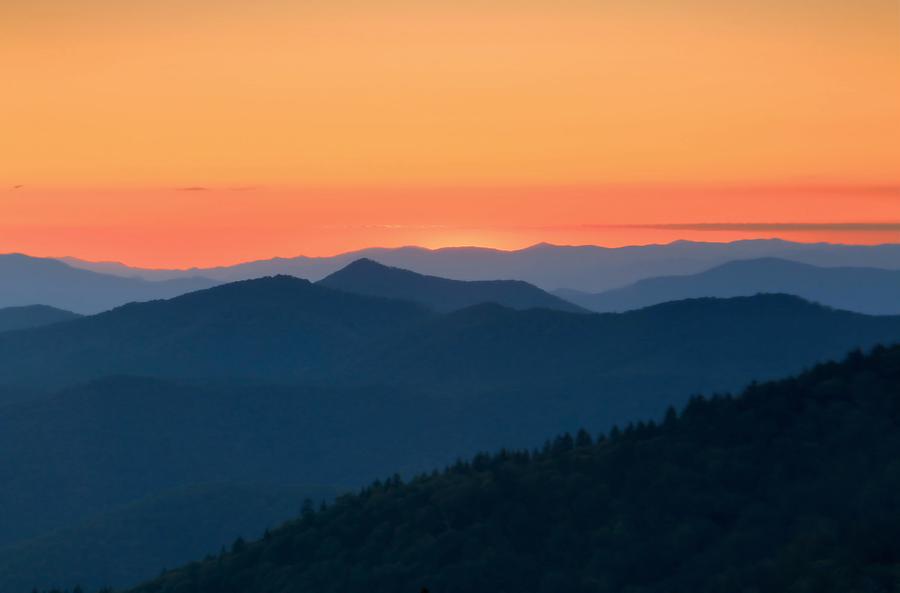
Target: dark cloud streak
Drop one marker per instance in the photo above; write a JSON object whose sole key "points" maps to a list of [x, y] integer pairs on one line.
{"points": [[872, 227]]}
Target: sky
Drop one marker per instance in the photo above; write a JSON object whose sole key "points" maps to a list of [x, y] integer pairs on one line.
{"points": [[193, 132]]}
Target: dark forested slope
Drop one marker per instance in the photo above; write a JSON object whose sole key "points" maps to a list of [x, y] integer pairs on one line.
{"points": [[791, 487]]}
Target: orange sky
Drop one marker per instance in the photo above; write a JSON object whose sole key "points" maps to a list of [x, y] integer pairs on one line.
{"points": [[317, 127]]}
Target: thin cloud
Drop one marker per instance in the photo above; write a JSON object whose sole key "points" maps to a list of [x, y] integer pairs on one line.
{"points": [[238, 188], [869, 190], [399, 227], [864, 227]]}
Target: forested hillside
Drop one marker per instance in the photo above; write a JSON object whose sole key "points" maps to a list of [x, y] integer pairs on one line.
{"points": [[790, 487]]}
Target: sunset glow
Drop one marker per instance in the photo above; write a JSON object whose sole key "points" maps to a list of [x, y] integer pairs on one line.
{"points": [[196, 133]]}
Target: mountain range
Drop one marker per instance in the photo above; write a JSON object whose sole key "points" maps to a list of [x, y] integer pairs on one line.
{"points": [[279, 383], [569, 272], [271, 328], [864, 290], [26, 281], [586, 268], [284, 329], [790, 487]]}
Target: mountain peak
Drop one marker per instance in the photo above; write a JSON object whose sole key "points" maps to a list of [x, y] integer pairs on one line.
{"points": [[365, 265], [365, 262], [366, 276]]}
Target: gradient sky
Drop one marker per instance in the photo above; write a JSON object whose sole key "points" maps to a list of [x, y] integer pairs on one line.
{"points": [[196, 132]]}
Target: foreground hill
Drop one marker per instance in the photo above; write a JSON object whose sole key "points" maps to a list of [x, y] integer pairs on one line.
{"points": [[125, 545], [588, 268], [267, 328], [13, 318], [365, 276], [864, 290], [28, 280], [790, 487]]}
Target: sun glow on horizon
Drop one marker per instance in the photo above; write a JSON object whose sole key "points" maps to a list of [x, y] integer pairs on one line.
{"points": [[208, 227], [228, 131]]}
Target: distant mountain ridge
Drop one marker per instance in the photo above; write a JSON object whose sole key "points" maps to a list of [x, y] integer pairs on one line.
{"points": [[549, 267], [26, 281], [365, 276], [863, 290], [14, 318]]}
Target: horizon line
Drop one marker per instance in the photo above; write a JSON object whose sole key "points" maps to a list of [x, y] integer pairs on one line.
{"points": [[540, 244]]}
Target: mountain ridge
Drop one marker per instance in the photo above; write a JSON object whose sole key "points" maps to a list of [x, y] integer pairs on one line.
{"points": [[26, 281], [278, 325], [366, 276], [492, 346], [862, 290], [551, 267]]}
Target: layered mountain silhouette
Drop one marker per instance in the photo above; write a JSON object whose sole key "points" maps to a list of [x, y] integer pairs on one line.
{"points": [[13, 318], [281, 381], [365, 276], [790, 487], [28, 280], [549, 267], [271, 328], [341, 388], [679, 347], [285, 329], [864, 290]]}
